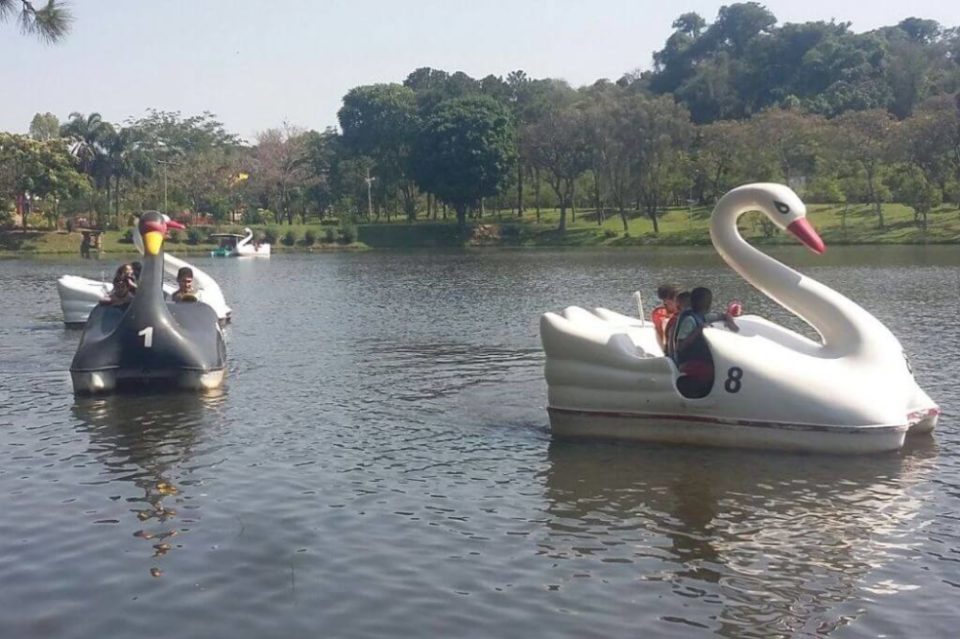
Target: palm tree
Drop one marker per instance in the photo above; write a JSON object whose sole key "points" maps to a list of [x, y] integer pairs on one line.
{"points": [[127, 159], [88, 136], [50, 23]]}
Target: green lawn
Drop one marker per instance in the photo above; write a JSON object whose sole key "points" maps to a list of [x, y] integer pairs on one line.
{"points": [[677, 227]]}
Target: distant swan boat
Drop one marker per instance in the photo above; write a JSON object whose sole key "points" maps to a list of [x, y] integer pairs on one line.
{"points": [[235, 245], [850, 392]]}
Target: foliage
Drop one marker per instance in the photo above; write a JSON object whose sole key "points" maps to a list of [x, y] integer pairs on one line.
{"points": [[44, 126], [50, 23], [464, 151], [271, 234], [309, 237], [289, 238], [743, 63], [194, 236], [37, 170]]}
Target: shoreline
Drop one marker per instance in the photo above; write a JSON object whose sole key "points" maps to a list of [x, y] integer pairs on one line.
{"points": [[638, 243], [837, 225]]}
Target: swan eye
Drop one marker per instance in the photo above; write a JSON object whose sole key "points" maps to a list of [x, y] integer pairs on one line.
{"points": [[783, 208]]}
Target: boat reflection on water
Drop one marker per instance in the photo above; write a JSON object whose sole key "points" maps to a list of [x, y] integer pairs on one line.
{"points": [[147, 440], [780, 544]]}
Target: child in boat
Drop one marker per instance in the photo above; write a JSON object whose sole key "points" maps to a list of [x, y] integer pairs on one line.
{"points": [[124, 287], [185, 292], [683, 303], [690, 349], [661, 315]]}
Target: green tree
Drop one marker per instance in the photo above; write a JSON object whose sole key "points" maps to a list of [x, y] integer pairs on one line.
{"points": [[464, 151], [37, 170], [50, 23], [126, 160], [44, 126], [663, 134], [559, 145], [863, 139], [380, 121], [87, 136]]}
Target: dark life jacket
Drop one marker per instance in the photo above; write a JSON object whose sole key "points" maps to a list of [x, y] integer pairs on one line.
{"points": [[697, 350]]}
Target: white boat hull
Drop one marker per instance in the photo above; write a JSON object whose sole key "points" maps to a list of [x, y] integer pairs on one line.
{"points": [[79, 295], [703, 431]]}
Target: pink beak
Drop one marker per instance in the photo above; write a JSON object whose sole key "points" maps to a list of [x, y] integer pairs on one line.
{"points": [[804, 232]]}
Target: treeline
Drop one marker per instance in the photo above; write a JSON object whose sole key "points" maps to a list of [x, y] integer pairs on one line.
{"points": [[842, 117]]}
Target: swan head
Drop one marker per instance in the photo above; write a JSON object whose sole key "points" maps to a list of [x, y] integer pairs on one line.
{"points": [[152, 226], [784, 208], [151, 216]]}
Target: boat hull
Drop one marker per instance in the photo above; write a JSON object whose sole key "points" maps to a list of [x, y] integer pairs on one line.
{"points": [[110, 380], [707, 431]]}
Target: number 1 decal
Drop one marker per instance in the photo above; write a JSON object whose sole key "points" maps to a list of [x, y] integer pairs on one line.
{"points": [[147, 335]]}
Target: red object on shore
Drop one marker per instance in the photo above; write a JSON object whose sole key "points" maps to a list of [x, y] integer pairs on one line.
{"points": [[735, 308]]}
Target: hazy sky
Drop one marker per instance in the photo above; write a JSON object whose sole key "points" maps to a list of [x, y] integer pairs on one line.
{"points": [[256, 63]]}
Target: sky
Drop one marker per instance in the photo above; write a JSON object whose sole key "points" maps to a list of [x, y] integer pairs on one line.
{"points": [[258, 64]]}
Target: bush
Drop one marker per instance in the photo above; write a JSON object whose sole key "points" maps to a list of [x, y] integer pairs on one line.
{"points": [[329, 235], [609, 233], [348, 233], [289, 238], [174, 236], [310, 237], [127, 237], [194, 236], [271, 234]]}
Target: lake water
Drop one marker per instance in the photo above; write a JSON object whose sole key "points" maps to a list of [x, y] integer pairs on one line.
{"points": [[379, 464]]}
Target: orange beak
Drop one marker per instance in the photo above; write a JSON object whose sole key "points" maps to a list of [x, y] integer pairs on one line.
{"points": [[805, 232]]}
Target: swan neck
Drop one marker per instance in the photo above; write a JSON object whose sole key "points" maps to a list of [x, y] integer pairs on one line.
{"points": [[842, 324]]}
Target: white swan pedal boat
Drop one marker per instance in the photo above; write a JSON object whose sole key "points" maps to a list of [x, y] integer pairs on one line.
{"points": [[79, 295], [852, 391], [235, 245]]}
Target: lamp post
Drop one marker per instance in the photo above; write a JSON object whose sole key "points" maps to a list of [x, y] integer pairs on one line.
{"points": [[165, 163], [369, 180]]}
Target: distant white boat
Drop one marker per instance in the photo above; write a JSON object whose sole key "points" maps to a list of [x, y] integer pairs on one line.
{"points": [[235, 245]]}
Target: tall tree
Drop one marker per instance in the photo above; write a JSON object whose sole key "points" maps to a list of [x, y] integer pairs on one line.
{"points": [[33, 169], [464, 151], [87, 136], [863, 139], [44, 126], [559, 145], [662, 136], [380, 121], [280, 168]]}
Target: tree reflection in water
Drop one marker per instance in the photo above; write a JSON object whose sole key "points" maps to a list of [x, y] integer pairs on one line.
{"points": [[146, 440], [779, 542]]}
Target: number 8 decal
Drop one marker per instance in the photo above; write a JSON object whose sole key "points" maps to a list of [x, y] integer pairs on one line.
{"points": [[147, 335], [733, 383]]}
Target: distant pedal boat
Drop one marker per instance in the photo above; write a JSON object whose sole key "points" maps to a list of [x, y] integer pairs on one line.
{"points": [[235, 245]]}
